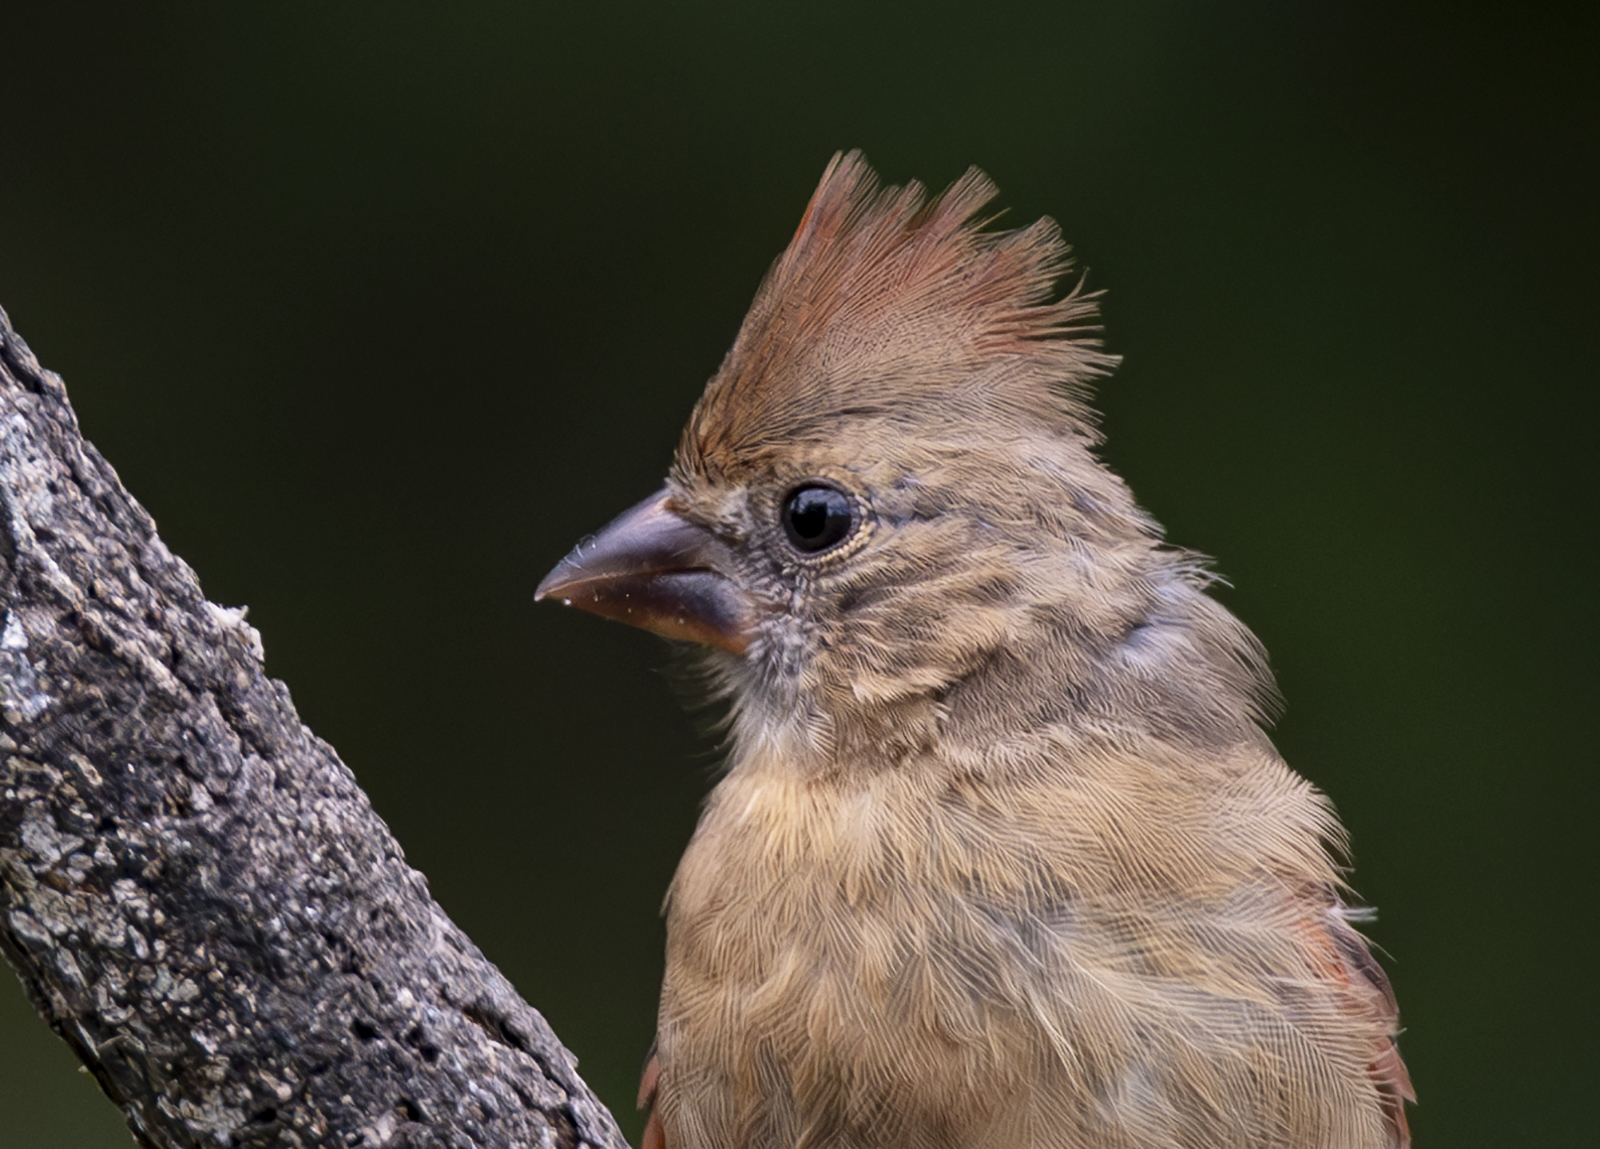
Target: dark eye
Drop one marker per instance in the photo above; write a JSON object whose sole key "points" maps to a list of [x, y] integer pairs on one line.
{"points": [[816, 517]]}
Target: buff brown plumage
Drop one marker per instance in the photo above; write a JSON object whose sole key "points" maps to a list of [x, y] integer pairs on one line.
{"points": [[1002, 856]]}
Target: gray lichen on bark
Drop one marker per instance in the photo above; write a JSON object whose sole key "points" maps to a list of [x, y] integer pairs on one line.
{"points": [[196, 894]]}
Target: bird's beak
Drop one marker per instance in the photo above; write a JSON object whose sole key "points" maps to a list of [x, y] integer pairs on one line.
{"points": [[656, 570]]}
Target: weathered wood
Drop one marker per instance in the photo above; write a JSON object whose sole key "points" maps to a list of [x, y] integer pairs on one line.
{"points": [[197, 895]]}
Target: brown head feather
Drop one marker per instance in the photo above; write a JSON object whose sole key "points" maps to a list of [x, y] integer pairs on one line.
{"points": [[882, 287]]}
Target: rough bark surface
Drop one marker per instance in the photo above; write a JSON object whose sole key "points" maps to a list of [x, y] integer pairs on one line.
{"points": [[193, 889]]}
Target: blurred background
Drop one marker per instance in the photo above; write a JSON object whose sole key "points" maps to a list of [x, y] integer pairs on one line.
{"points": [[378, 308]]}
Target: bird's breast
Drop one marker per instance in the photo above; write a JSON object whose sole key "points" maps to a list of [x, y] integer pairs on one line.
{"points": [[905, 959], [811, 960]]}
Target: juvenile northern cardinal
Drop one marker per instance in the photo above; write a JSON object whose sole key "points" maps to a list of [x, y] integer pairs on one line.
{"points": [[1001, 857]]}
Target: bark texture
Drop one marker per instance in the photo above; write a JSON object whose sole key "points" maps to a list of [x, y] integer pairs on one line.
{"points": [[197, 895]]}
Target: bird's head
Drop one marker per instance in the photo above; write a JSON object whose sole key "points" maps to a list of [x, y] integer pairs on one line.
{"points": [[884, 516]]}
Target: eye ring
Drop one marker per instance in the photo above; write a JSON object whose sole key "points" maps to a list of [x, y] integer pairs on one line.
{"points": [[817, 517]]}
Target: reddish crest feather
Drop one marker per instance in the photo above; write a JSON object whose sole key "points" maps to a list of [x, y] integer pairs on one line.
{"points": [[886, 300]]}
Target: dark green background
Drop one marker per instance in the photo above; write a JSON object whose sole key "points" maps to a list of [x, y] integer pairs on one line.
{"points": [[379, 307]]}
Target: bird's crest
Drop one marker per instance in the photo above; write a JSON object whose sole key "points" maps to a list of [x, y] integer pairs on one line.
{"points": [[886, 301]]}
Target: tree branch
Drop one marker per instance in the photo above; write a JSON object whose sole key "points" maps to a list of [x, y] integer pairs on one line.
{"points": [[196, 894]]}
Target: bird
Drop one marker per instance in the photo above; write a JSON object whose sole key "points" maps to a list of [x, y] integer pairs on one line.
{"points": [[1001, 855]]}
